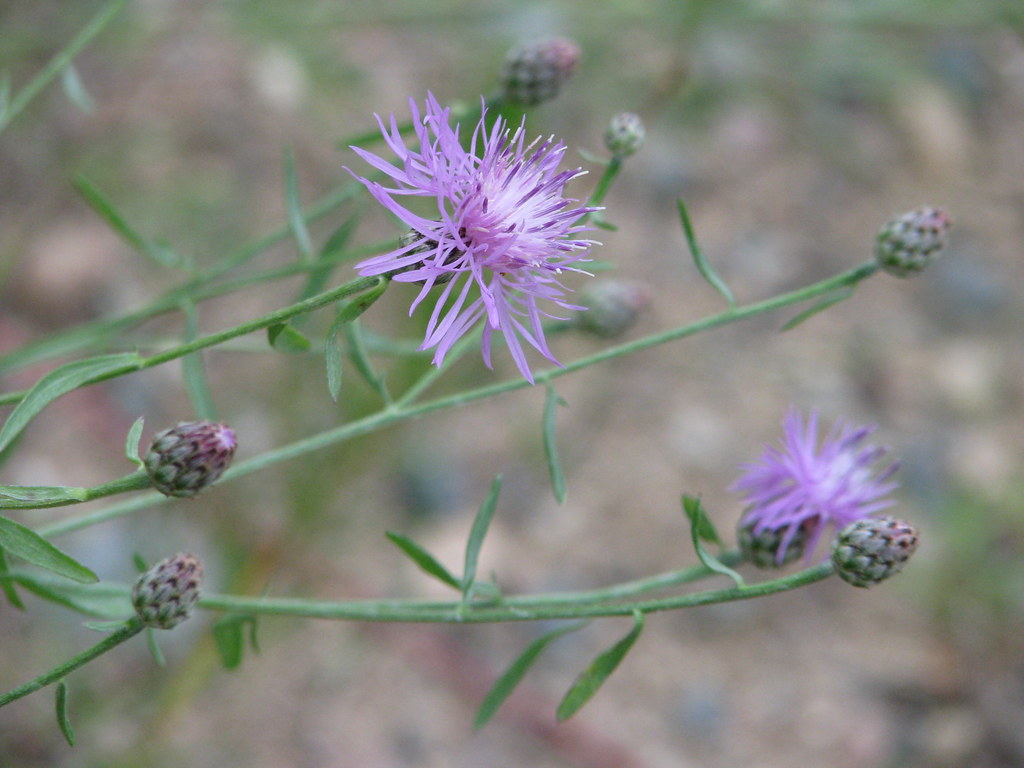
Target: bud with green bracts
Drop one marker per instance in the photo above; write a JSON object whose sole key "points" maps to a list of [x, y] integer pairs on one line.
{"points": [[165, 595], [187, 458]]}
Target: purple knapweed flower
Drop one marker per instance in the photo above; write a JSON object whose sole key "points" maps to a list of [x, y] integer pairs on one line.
{"points": [[501, 224], [801, 488]]}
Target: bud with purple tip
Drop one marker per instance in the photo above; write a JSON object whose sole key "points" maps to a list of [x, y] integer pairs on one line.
{"points": [[909, 243], [873, 549], [165, 595], [187, 458], [535, 73]]}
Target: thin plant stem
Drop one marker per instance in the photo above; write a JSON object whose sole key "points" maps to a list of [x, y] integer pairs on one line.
{"points": [[111, 641], [396, 412], [59, 62], [136, 481], [592, 605]]}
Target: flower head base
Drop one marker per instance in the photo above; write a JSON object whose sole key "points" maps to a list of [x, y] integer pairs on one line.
{"points": [[765, 548], [613, 306], [625, 134], [535, 73], [869, 551], [798, 489], [909, 243], [165, 595], [501, 225], [187, 458]]}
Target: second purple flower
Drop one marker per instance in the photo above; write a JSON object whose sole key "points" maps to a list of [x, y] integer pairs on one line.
{"points": [[501, 235]]}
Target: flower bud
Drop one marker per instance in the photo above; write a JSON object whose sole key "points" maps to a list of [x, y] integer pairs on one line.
{"points": [[625, 134], [612, 307], [873, 549], [187, 458], [909, 243], [535, 73], [768, 547], [165, 595]]}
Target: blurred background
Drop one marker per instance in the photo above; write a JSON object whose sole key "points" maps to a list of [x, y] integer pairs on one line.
{"points": [[792, 129]]}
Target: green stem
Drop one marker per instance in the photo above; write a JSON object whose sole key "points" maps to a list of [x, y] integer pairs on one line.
{"points": [[60, 61], [136, 481], [130, 629], [198, 288], [584, 605], [273, 318], [395, 412]]}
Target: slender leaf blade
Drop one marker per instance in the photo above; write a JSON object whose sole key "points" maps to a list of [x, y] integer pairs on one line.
{"points": [[481, 523], [75, 90], [333, 357], [551, 403], [40, 496], [515, 672], [160, 254], [63, 721], [103, 600], [285, 338], [25, 543], [7, 585], [701, 530], [296, 219], [821, 306], [194, 371], [229, 638], [59, 382], [703, 265], [131, 443], [154, 648], [593, 677], [426, 562], [357, 354]]}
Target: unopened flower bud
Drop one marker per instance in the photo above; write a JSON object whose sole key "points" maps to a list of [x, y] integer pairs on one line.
{"points": [[535, 73], [612, 307], [187, 458], [769, 547], [909, 243], [165, 595], [873, 549], [625, 134]]}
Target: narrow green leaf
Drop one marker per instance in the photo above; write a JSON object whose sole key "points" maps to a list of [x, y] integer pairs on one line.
{"points": [[104, 626], [75, 91], [481, 523], [551, 404], [332, 358], [196, 383], [339, 238], [139, 562], [821, 306], [593, 677], [227, 635], [230, 640], [103, 600], [701, 530], [25, 543], [427, 563], [154, 648], [159, 254], [63, 721], [63, 57], [131, 443], [296, 219], [515, 673], [284, 338], [60, 381], [40, 496], [357, 354], [703, 266], [353, 308], [7, 585]]}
